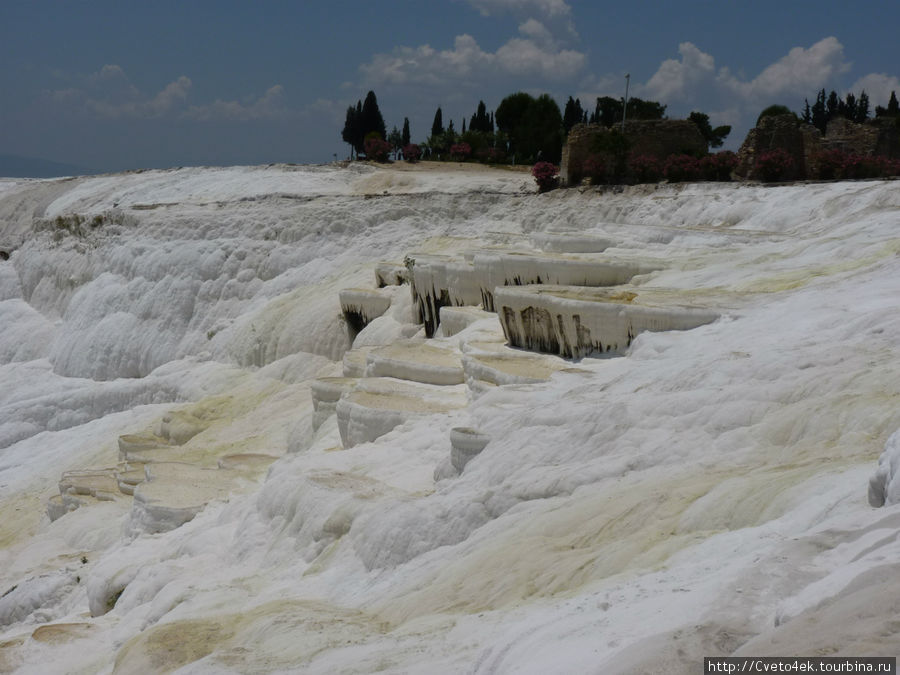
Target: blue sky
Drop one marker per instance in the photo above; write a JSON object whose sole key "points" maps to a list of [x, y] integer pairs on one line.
{"points": [[126, 84]]}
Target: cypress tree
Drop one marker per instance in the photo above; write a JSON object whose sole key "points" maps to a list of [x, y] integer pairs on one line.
{"points": [[358, 135], [573, 114], [819, 112], [862, 107], [437, 127], [832, 105], [893, 109], [349, 133], [848, 110], [405, 133], [372, 121], [481, 121]]}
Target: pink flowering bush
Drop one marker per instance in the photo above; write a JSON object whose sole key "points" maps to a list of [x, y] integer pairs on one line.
{"points": [[681, 168], [490, 155], [594, 168], [460, 151], [412, 152], [844, 165], [377, 149], [718, 166], [775, 165], [644, 169], [546, 175]]}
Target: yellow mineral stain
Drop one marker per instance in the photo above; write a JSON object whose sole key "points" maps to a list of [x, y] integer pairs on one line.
{"points": [[58, 633], [284, 634], [20, 517]]}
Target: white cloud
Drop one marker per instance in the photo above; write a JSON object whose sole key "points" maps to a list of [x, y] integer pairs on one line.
{"points": [[802, 70], [552, 8], [675, 80], [268, 106], [535, 30], [109, 94], [468, 63], [878, 86]]}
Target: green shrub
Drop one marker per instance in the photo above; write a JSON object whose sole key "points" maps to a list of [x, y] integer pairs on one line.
{"points": [[774, 110]]}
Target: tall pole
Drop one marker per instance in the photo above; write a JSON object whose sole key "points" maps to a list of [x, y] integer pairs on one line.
{"points": [[625, 103]]}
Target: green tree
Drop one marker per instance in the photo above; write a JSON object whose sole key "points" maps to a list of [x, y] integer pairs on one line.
{"points": [[892, 109], [395, 138], [573, 114], [481, 121], [608, 110], [437, 126], [544, 136], [405, 138], [820, 112], [714, 137], [350, 132], [862, 107], [372, 121], [832, 105], [510, 119], [777, 109]]}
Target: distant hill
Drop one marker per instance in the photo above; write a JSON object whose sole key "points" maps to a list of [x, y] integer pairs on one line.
{"points": [[13, 166]]}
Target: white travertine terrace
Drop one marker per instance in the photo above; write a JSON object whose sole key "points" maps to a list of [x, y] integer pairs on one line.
{"points": [[361, 305], [416, 361], [703, 494], [390, 274], [465, 443], [174, 493], [573, 321], [456, 319], [440, 281], [884, 485], [571, 242], [326, 392], [508, 367], [519, 269], [80, 488], [378, 405], [354, 361]]}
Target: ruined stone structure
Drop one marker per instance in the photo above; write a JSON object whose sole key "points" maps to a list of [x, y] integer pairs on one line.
{"points": [[805, 143], [659, 138]]}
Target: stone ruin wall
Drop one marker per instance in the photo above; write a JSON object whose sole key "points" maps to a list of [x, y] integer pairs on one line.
{"points": [[804, 143], [659, 138]]}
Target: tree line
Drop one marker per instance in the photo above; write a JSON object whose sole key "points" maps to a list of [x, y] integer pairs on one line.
{"points": [[854, 108], [523, 129]]}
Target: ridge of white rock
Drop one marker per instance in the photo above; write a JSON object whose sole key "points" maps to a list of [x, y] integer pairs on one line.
{"points": [[454, 320], [574, 321], [572, 242], [521, 269], [884, 485], [326, 392], [360, 306], [702, 494], [173, 493], [416, 361]]}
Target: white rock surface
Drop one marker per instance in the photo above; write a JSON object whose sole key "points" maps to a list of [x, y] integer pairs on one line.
{"points": [[704, 494], [574, 321]]}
